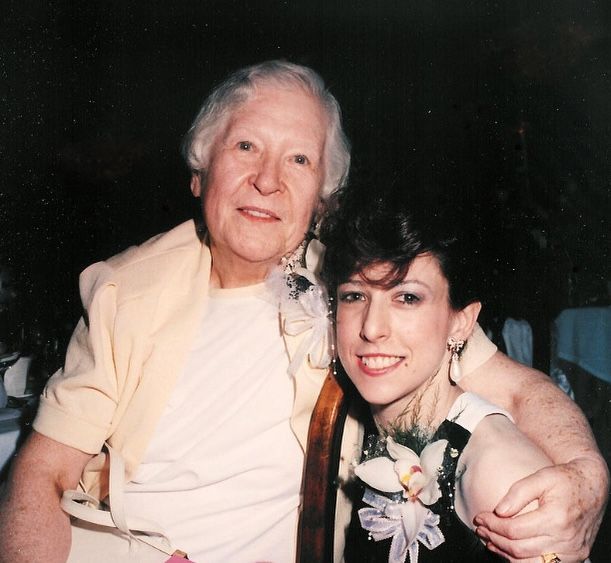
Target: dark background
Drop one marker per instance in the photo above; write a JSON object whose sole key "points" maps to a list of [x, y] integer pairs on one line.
{"points": [[95, 97]]}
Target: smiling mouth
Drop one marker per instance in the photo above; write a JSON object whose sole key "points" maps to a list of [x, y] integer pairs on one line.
{"points": [[256, 213], [379, 362]]}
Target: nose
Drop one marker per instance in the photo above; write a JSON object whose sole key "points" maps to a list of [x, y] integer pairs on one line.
{"points": [[376, 323], [267, 178]]}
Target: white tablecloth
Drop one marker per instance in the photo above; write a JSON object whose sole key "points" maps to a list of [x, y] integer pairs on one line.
{"points": [[10, 429], [583, 337]]}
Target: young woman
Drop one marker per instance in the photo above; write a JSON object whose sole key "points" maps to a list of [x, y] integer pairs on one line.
{"points": [[406, 288]]}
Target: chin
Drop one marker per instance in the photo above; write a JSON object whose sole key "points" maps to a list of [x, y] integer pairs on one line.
{"points": [[377, 397], [373, 398], [258, 253]]}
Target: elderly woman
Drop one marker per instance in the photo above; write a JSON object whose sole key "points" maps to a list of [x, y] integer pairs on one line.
{"points": [[179, 363], [195, 360], [406, 287]]}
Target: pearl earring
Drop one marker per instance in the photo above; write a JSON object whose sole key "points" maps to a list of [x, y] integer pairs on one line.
{"points": [[455, 348]]}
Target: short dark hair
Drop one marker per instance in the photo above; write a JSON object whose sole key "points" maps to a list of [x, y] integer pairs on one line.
{"points": [[395, 223]]}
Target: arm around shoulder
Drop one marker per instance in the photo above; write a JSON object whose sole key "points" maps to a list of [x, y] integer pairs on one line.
{"points": [[33, 527], [540, 409], [572, 493]]}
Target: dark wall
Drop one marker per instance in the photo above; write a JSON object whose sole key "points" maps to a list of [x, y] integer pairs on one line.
{"points": [[96, 97]]}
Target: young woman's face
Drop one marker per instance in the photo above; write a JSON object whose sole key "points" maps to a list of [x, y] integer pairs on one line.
{"points": [[391, 341]]}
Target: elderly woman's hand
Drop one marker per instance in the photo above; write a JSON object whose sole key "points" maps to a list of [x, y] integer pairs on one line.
{"points": [[572, 499]]}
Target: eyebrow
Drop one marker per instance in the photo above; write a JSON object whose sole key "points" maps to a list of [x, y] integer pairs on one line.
{"points": [[360, 282], [247, 130]]}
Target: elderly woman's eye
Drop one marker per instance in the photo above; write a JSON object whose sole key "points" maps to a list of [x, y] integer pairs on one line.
{"points": [[245, 145], [301, 159]]}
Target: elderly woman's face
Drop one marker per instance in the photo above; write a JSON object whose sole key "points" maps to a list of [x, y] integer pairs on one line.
{"points": [[263, 182]]}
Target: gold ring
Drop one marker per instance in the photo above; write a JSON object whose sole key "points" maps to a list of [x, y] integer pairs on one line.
{"points": [[550, 558]]}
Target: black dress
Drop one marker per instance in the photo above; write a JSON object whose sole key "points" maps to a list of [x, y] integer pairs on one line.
{"points": [[461, 545]]}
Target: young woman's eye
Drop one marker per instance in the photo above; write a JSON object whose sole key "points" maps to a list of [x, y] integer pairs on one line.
{"points": [[245, 145], [301, 159], [409, 298], [350, 296]]}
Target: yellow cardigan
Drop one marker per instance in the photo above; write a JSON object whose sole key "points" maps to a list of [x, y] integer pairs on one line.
{"points": [[141, 311]]}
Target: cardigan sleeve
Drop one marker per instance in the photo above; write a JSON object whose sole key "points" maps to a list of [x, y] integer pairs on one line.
{"points": [[478, 351], [78, 403]]}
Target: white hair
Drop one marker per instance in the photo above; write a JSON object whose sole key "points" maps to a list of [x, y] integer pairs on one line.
{"points": [[239, 87]]}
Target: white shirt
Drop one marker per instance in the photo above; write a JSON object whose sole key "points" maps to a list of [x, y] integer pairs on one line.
{"points": [[224, 455]]}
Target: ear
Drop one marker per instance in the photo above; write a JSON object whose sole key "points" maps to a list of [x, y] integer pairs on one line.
{"points": [[321, 209], [319, 212], [196, 184], [464, 321]]}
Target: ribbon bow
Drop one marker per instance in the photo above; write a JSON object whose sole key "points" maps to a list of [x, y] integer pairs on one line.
{"points": [[407, 523], [308, 312], [303, 305]]}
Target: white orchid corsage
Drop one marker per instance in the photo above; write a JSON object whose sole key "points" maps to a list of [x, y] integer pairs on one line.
{"points": [[412, 484], [304, 305]]}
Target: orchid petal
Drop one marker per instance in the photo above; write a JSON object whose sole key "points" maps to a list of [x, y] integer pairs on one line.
{"points": [[430, 493], [417, 482], [308, 274], [431, 458], [397, 451], [379, 473], [314, 255], [413, 515], [404, 466]]}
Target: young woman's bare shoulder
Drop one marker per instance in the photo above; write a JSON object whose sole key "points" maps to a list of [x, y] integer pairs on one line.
{"points": [[497, 456]]}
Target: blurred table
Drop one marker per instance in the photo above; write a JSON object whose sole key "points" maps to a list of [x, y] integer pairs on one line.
{"points": [[581, 349], [6, 361], [10, 431], [583, 338]]}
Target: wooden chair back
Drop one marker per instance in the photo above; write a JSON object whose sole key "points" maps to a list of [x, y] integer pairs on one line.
{"points": [[316, 524]]}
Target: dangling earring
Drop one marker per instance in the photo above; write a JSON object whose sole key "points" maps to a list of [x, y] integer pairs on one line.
{"points": [[333, 360], [455, 348]]}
